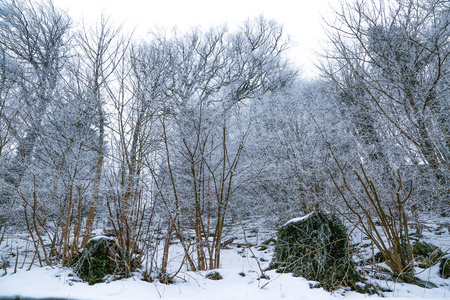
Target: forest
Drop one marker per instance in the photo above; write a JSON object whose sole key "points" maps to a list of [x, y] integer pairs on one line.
{"points": [[172, 140]]}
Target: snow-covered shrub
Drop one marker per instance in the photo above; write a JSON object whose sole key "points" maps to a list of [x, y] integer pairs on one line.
{"points": [[316, 247], [100, 257]]}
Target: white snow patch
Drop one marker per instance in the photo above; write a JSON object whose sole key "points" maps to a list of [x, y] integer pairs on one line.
{"points": [[298, 219], [99, 237]]}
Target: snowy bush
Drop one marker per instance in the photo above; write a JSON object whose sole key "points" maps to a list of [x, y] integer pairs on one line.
{"points": [[100, 257], [316, 248]]}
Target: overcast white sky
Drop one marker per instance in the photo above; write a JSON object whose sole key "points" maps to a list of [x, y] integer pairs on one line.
{"points": [[301, 18]]}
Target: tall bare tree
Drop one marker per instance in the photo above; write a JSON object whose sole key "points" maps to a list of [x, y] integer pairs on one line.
{"points": [[33, 39], [101, 50], [390, 60], [215, 75]]}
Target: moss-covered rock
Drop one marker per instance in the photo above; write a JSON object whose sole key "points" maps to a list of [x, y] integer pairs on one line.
{"points": [[101, 257], [316, 247]]}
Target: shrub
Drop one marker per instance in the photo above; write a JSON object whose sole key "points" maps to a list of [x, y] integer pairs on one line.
{"points": [[427, 254], [381, 214], [316, 248], [101, 257], [424, 253]]}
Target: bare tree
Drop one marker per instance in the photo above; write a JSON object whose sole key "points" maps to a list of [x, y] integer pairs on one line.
{"points": [[287, 153], [33, 43], [9, 110], [141, 80], [216, 74], [34, 37], [101, 50], [390, 60]]}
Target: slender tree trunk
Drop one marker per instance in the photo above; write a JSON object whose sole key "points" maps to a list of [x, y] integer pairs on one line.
{"points": [[67, 224], [97, 179]]}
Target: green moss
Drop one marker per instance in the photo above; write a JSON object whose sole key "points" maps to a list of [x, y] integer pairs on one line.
{"points": [[316, 248]]}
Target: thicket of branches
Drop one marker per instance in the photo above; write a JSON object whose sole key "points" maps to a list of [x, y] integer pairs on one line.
{"points": [[182, 134]]}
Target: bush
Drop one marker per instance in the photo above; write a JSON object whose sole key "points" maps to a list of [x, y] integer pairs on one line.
{"points": [[101, 257], [316, 248], [425, 254]]}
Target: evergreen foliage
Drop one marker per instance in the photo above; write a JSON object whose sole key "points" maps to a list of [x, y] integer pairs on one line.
{"points": [[316, 248], [427, 254], [101, 257]]}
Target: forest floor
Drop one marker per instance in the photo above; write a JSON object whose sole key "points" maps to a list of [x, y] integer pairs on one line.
{"points": [[240, 270]]}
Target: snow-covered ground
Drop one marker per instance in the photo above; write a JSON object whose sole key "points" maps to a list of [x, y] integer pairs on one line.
{"points": [[240, 274]]}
